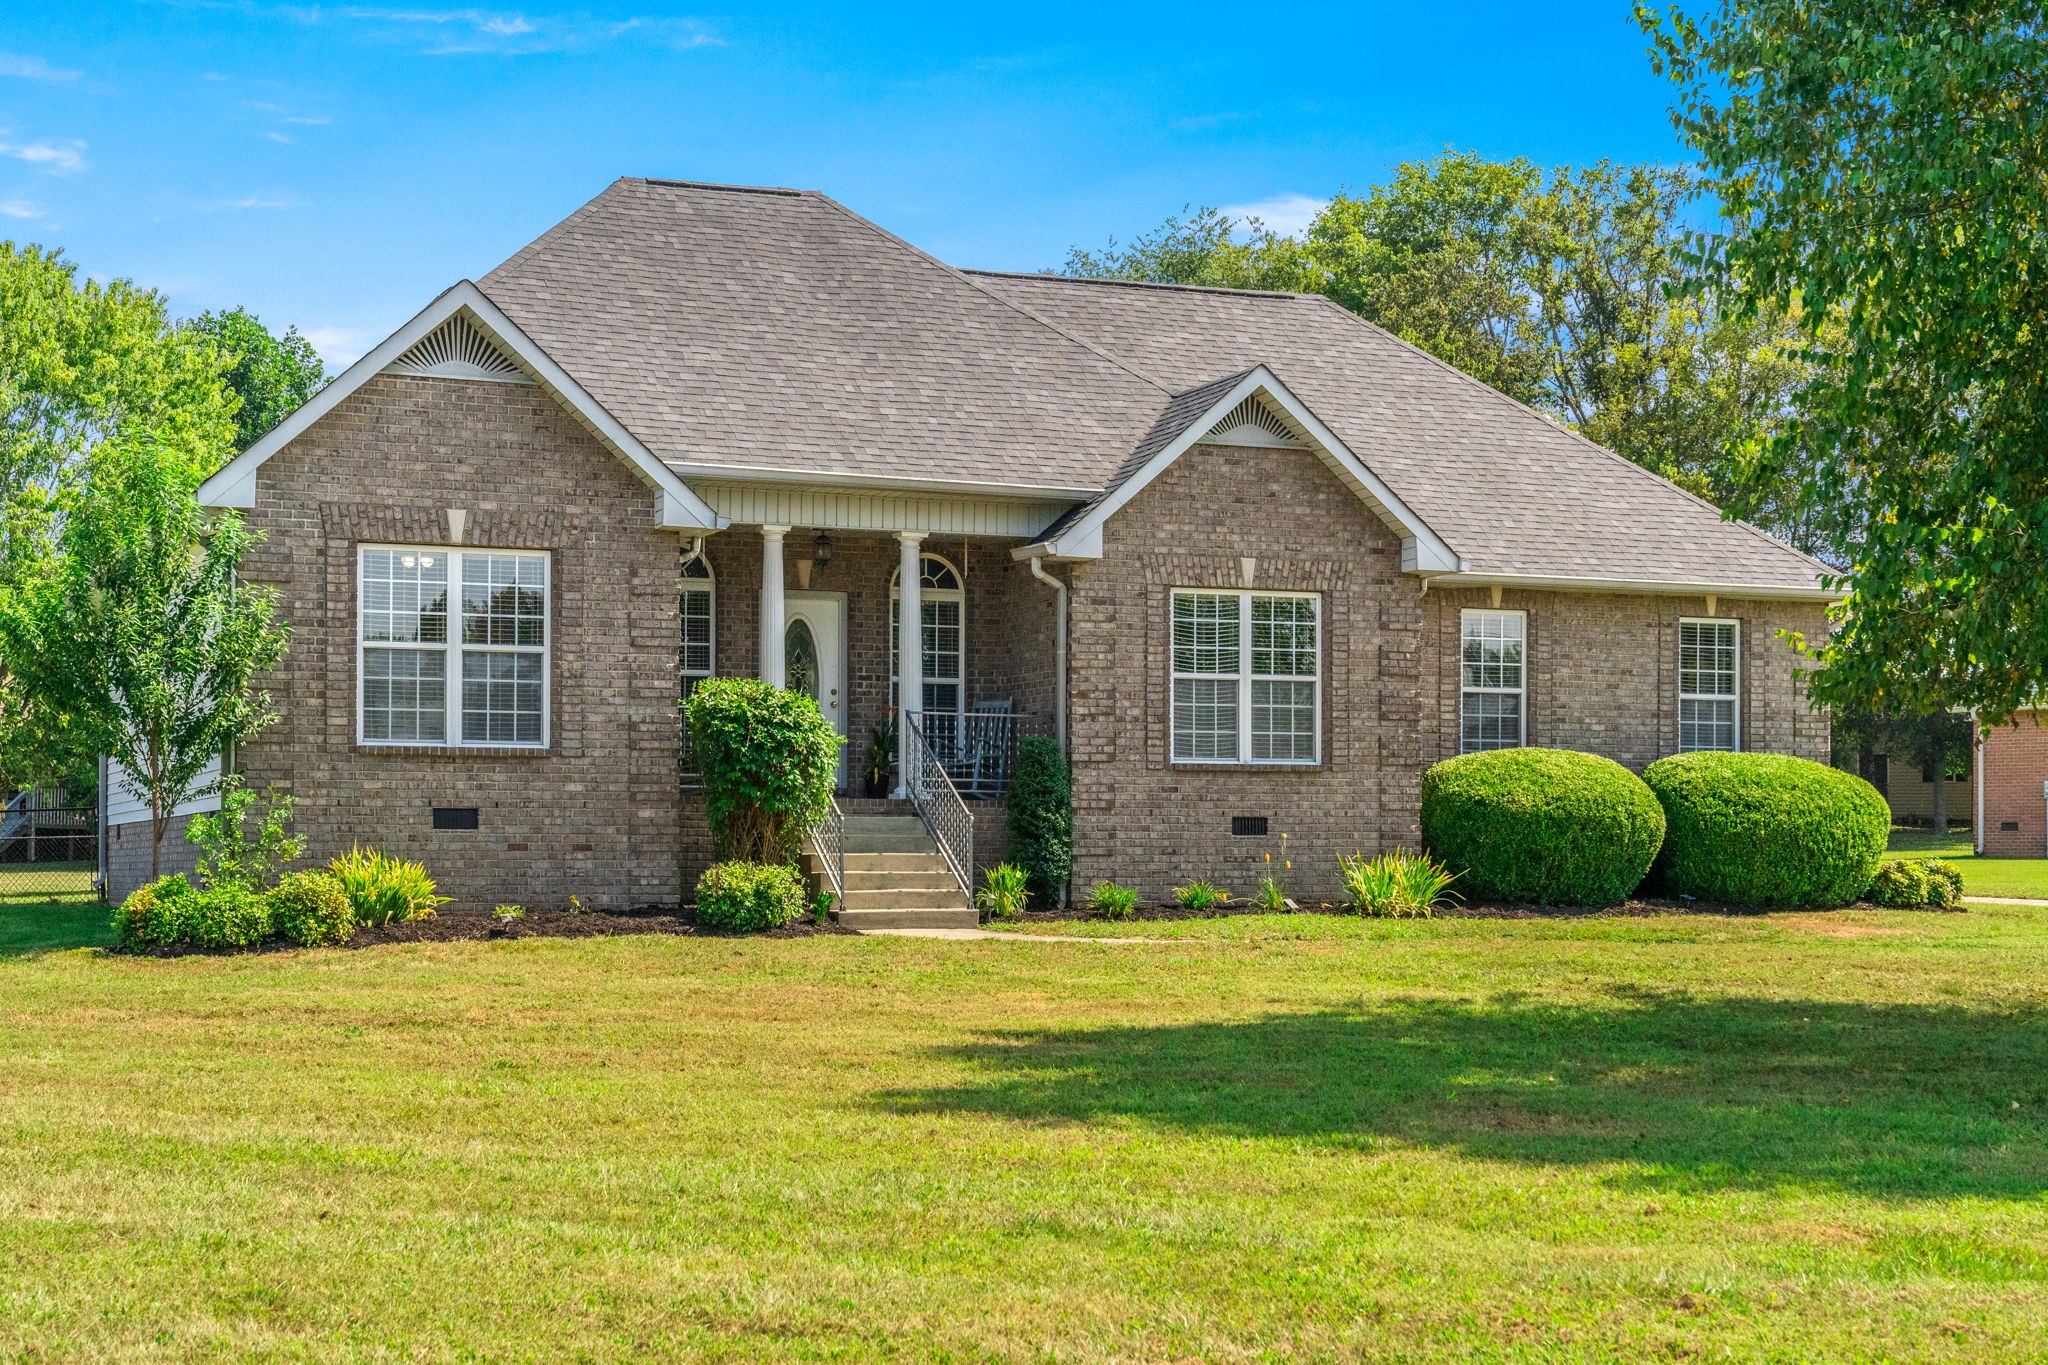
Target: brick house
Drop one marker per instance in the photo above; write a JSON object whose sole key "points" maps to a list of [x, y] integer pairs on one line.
{"points": [[1256, 562], [2009, 796]]}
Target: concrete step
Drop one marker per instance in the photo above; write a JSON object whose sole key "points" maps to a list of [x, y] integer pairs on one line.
{"points": [[889, 843], [926, 861], [883, 824], [898, 898], [902, 879], [921, 918]]}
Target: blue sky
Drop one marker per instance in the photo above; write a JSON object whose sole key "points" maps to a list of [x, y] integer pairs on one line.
{"points": [[335, 166]]}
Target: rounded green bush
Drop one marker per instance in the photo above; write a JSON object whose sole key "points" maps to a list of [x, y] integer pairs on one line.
{"points": [[225, 917], [749, 896], [1766, 829], [1900, 885], [311, 909], [1544, 825], [151, 914]]}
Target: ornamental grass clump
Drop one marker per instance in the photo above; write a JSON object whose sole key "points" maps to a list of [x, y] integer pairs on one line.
{"points": [[1112, 900], [1003, 889], [769, 760], [1397, 884], [749, 896], [382, 889], [1767, 830], [1547, 826]]}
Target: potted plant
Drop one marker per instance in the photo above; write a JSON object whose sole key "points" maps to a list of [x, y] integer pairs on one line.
{"points": [[881, 757]]}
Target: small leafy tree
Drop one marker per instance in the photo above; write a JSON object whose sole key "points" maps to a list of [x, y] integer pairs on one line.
{"points": [[769, 759], [1042, 819], [271, 375], [235, 855], [140, 632]]}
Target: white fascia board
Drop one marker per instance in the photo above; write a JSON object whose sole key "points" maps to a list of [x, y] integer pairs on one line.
{"points": [[1647, 586], [676, 507], [880, 483], [1422, 550]]}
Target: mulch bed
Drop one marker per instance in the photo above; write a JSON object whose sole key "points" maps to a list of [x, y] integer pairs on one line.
{"points": [[1629, 909]]}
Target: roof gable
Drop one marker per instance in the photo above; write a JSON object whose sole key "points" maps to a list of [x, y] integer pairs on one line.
{"points": [[676, 507], [1192, 418]]}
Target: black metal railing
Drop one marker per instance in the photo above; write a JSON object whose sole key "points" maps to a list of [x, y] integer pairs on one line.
{"points": [[978, 749], [939, 805]]}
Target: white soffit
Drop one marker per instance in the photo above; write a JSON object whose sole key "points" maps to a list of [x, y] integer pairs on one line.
{"points": [[677, 508], [1422, 550]]}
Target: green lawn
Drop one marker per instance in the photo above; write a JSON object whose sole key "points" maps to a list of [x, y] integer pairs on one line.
{"points": [[1296, 1137], [2024, 877]]}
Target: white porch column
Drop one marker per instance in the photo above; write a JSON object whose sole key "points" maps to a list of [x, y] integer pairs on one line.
{"points": [[909, 651], [771, 604]]}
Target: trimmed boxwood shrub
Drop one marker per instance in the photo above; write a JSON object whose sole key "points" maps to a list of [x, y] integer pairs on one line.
{"points": [[749, 896], [769, 760], [1544, 825], [1900, 885], [225, 917], [311, 909], [1766, 829], [1041, 817]]}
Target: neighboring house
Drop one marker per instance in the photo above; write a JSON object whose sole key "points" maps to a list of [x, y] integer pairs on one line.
{"points": [[1256, 561], [2010, 806]]}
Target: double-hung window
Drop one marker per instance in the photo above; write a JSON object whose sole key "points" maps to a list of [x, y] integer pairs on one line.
{"points": [[1493, 686], [698, 606], [1247, 677], [1709, 685], [453, 646]]}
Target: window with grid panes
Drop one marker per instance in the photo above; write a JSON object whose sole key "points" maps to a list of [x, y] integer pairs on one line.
{"points": [[478, 680], [1709, 681], [1493, 676], [1247, 677]]}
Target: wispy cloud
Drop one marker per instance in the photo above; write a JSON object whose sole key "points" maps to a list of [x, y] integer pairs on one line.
{"points": [[451, 32], [33, 69], [1287, 214], [59, 158], [244, 203], [19, 208]]}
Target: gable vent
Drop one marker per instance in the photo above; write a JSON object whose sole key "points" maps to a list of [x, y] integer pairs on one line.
{"points": [[457, 350], [1252, 423]]}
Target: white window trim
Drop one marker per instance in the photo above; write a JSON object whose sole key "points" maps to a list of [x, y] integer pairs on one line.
{"points": [[708, 585], [1245, 678], [1735, 697], [1522, 711], [925, 594], [453, 649]]}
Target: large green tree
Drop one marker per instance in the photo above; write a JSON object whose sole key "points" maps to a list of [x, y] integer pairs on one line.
{"points": [[141, 634], [271, 375], [1887, 164]]}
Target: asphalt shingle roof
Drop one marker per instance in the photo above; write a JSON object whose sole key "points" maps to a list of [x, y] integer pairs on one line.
{"points": [[776, 330]]}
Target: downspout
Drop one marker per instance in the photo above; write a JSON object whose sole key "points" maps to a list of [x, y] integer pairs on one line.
{"points": [[1059, 650], [1977, 766]]}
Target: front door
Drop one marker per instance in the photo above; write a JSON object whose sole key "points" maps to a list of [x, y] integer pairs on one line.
{"points": [[814, 655]]}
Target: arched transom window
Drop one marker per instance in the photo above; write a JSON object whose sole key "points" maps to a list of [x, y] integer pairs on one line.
{"points": [[945, 635]]}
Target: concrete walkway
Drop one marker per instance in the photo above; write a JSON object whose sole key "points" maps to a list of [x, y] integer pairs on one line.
{"points": [[1014, 938], [2002, 900]]}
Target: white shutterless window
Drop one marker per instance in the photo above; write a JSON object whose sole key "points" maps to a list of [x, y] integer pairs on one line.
{"points": [[1709, 685], [698, 650], [1493, 682], [453, 646], [1247, 677]]}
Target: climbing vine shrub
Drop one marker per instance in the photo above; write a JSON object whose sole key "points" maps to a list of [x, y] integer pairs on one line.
{"points": [[769, 759]]}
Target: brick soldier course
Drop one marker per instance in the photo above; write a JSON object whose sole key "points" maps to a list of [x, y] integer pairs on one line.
{"points": [[681, 365]]}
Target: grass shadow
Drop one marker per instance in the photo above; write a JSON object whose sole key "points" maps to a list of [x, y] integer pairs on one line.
{"points": [[1908, 1101], [29, 927]]}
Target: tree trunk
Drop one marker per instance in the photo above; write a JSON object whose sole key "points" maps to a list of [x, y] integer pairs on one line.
{"points": [[1940, 801]]}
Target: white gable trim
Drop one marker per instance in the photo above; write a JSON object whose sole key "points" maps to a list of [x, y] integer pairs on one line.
{"points": [[676, 507], [1422, 550]]}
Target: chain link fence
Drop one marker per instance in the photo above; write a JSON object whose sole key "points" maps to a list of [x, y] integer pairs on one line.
{"points": [[49, 847]]}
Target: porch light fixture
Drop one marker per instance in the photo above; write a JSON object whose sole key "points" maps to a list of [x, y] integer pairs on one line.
{"points": [[821, 550]]}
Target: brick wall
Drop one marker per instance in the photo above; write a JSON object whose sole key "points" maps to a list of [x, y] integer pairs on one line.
{"points": [[1602, 677], [2013, 759], [597, 813]]}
